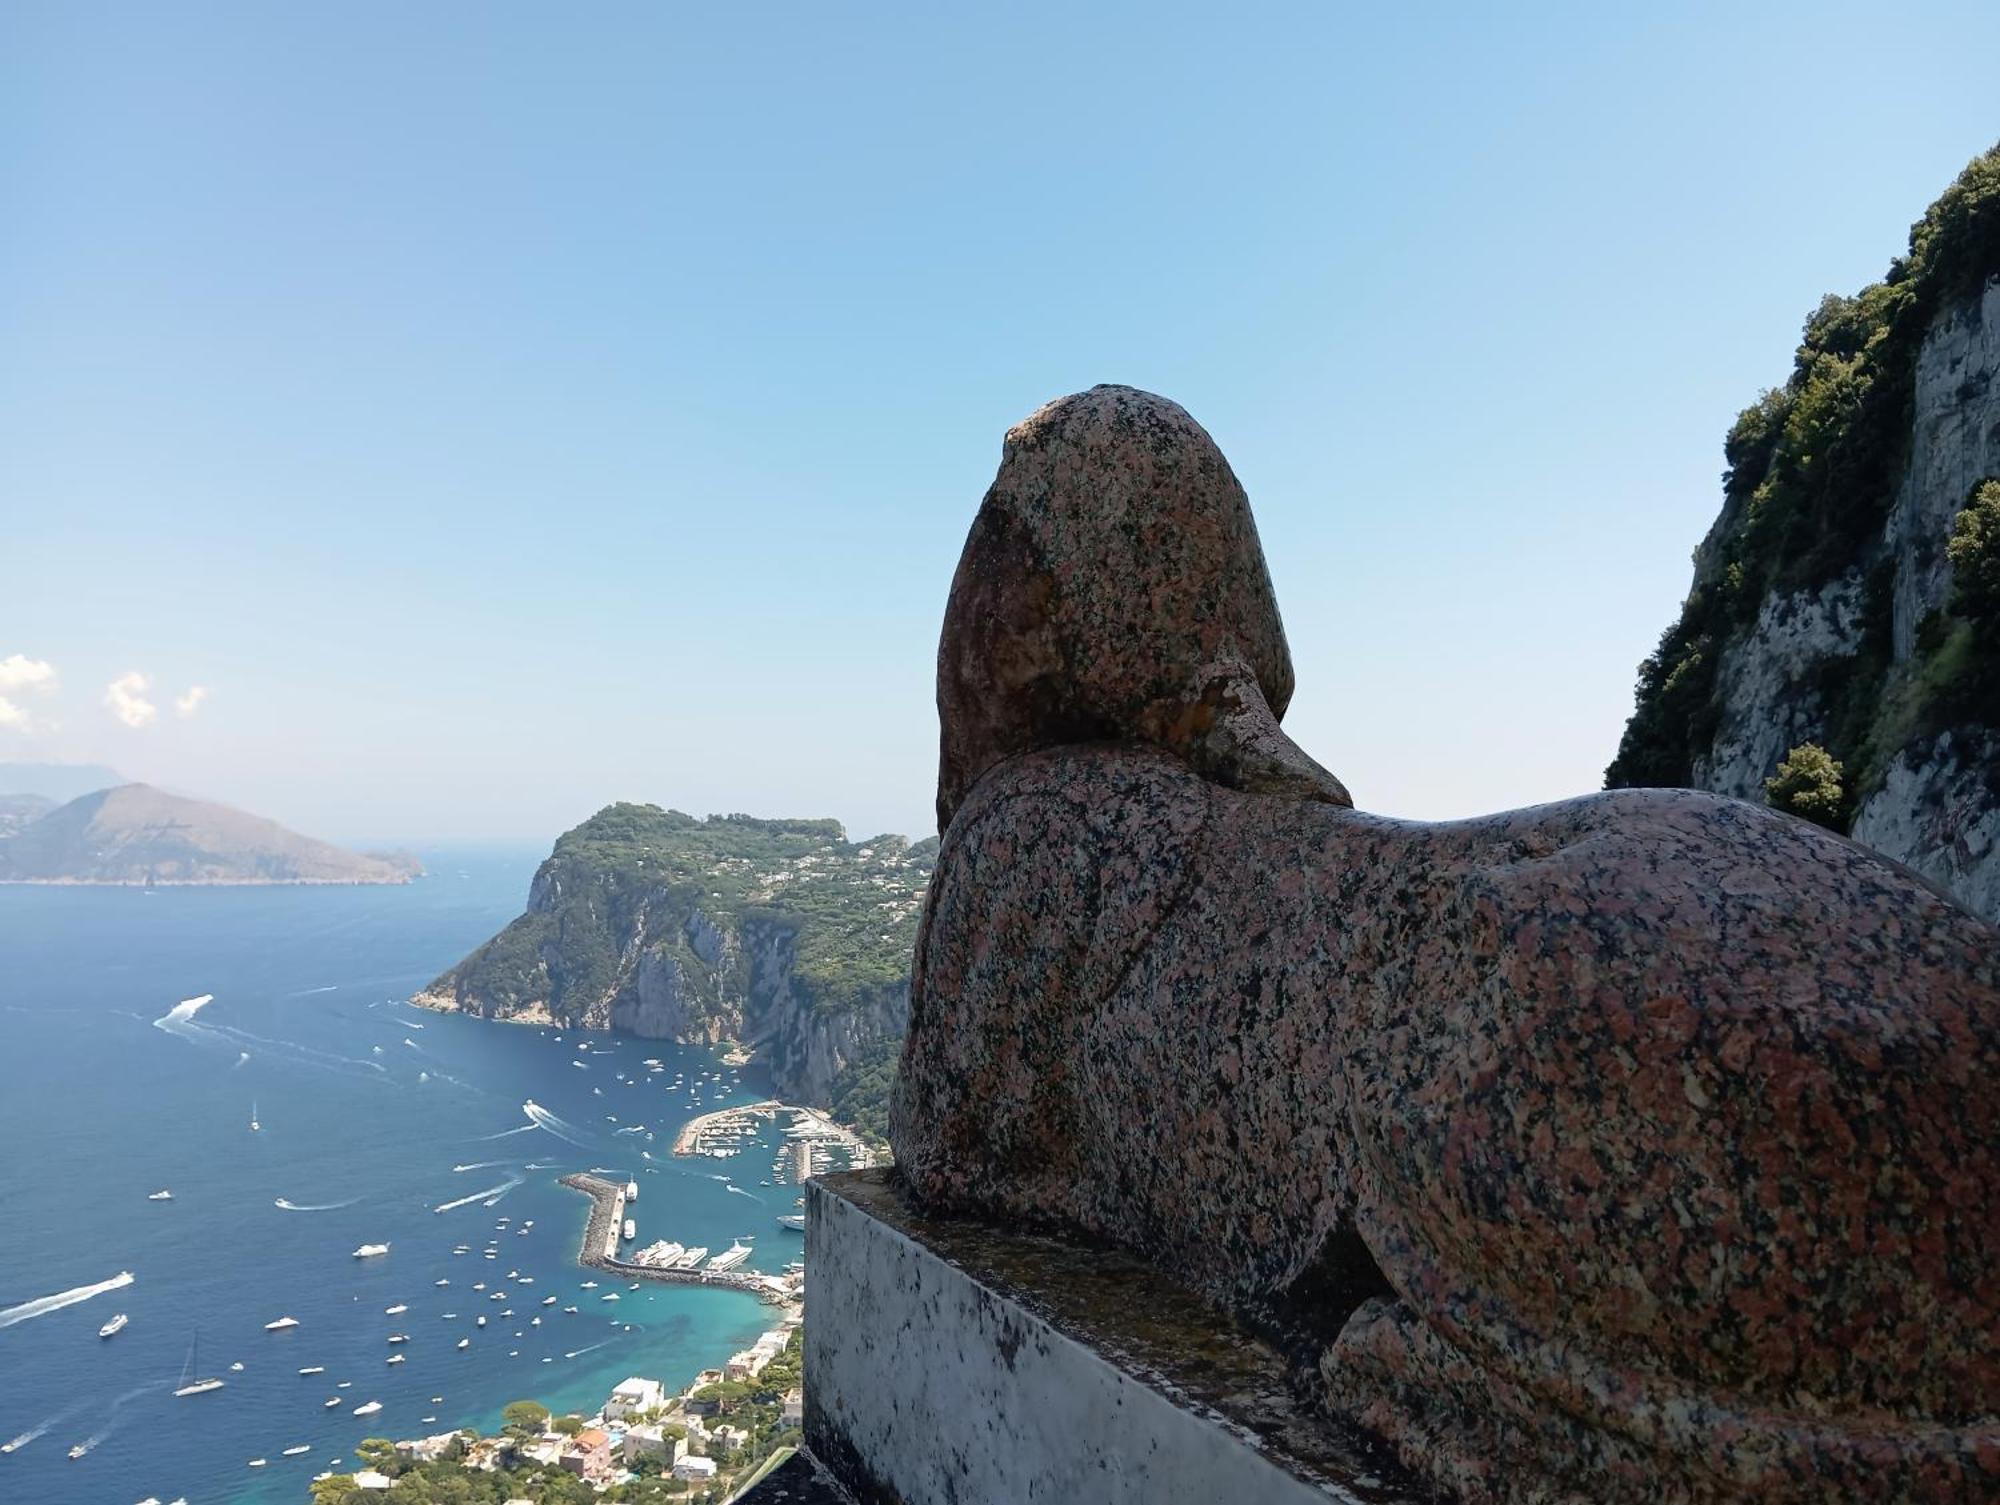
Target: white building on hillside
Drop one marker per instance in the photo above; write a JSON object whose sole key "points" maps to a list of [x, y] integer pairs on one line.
{"points": [[633, 1396]]}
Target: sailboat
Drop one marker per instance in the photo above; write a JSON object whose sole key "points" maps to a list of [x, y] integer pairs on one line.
{"points": [[189, 1384]]}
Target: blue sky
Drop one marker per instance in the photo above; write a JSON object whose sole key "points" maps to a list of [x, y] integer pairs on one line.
{"points": [[503, 409]]}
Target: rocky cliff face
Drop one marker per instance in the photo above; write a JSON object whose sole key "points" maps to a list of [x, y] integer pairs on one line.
{"points": [[1827, 609], [780, 935]]}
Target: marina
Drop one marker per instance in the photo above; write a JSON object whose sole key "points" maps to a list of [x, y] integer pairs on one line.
{"points": [[599, 1249]]}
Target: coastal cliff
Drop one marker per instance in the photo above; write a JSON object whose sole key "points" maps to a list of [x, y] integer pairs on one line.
{"points": [[780, 935], [1838, 653]]}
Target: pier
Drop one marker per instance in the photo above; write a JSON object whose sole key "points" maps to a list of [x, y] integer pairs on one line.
{"points": [[688, 1140], [599, 1250], [809, 1125]]}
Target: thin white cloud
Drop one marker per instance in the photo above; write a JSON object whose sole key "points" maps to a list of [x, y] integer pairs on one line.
{"points": [[19, 672], [186, 705], [126, 698], [12, 715]]}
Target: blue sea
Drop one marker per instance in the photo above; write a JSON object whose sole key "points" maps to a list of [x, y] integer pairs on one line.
{"points": [[371, 1115]]}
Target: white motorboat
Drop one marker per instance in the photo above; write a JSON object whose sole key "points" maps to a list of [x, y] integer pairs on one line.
{"points": [[368, 1409], [330, 1402], [395, 1358], [399, 1337], [281, 1324], [162, 1195], [395, 1311], [295, 1450], [465, 1342], [369, 1251], [115, 1326], [313, 1369]]}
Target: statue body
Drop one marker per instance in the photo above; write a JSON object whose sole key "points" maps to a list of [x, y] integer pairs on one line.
{"points": [[1641, 1147]]}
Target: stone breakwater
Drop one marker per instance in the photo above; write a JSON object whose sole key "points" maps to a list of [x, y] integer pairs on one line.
{"points": [[600, 1240]]}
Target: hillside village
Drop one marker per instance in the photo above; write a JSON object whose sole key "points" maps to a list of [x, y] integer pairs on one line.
{"points": [[645, 1443]]}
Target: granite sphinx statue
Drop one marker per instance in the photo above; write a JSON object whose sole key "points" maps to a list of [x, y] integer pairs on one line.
{"points": [[1641, 1147]]}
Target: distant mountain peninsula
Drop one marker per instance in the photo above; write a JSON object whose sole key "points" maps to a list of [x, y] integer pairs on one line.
{"points": [[136, 834]]}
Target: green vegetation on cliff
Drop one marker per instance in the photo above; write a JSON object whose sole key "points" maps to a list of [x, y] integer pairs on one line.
{"points": [[1813, 470], [637, 894]]}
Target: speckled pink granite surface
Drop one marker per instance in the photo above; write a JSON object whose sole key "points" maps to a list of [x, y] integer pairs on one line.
{"points": [[1643, 1147]]}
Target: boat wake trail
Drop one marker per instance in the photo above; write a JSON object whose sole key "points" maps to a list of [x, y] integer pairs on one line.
{"points": [[741, 1192], [522, 1129], [110, 1420], [15, 1444], [180, 1020], [562, 1128], [575, 1352], [495, 1192], [480, 1165], [308, 992], [242, 1060], [290, 1206], [43, 1305]]}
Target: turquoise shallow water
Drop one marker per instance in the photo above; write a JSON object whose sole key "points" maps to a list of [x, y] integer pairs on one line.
{"points": [[367, 1107]]}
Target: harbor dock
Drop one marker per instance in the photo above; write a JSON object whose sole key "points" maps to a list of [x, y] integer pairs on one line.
{"points": [[599, 1250]]}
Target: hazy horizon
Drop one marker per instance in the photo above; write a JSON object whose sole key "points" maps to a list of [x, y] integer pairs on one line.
{"points": [[434, 425]]}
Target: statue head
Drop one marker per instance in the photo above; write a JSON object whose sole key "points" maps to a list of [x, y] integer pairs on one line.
{"points": [[1113, 589]]}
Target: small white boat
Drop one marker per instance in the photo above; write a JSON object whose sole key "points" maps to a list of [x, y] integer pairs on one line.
{"points": [[440, 1282], [330, 1402], [369, 1251], [255, 1463], [395, 1311], [162, 1195], [465, 1342], [369, 1409], [313, 1369], [115, 1326], [549, 1301], [237, 1367], [481, 1323], [399, 1337], [78, 1451], [609, 1296], [395, 1358], [293, 1452], [281, 1324], [589, 1285], [254, 1125], [345, 1385], [571, 1310]]}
